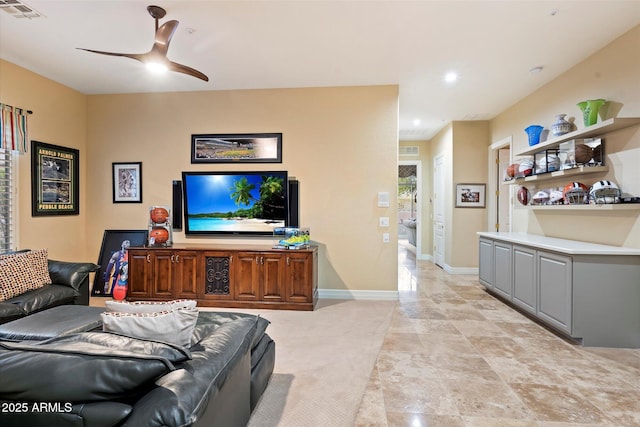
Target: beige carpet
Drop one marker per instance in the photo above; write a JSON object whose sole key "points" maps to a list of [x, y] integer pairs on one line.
{"points": [[323, 362], [324, 359]]}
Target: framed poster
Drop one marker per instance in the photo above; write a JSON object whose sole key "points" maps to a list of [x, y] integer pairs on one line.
{"points": [[237, 148], [54, 180], [470, 195], [114, 260], [127, 182]]}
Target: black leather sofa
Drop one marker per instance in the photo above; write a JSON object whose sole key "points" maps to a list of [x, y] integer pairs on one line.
{"points": [[98, 379], [70, 285]]}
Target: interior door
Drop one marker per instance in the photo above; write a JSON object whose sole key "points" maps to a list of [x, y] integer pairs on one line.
{"points": [[438, 211]]}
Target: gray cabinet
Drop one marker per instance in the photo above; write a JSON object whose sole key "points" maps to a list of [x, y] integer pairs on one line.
{"points": [[525, 287], [554, 289], [586, 291], [486, 262], [502, 276]]}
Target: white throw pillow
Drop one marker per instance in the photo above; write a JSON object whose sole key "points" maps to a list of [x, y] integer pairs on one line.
{"points": [[173, 326], [148, 306]]}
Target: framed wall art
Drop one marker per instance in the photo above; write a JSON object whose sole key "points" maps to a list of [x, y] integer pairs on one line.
{"points": [[470, 195], [54, 180], [127, 182], [114, 259], [237, 148]]}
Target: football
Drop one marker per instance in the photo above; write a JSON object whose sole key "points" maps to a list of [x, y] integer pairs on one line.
{"points": [[526, 168], [584, 154], [512, 170], [159, 234], [159, 215], [524, 196]]}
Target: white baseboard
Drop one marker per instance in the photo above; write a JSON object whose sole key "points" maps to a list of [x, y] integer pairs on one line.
{"points": [[365, 295], [460, 270], [425, 257]]}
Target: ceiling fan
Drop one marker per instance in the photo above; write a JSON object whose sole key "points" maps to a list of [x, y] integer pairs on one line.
{"points": [[156, 58]]}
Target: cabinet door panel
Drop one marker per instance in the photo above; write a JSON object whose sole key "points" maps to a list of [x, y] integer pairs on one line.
{"points": [[163, 274], [555, 287], [139, 274], [217, 275], [502, 280], [272, 275], [299, 274], [486, 263], [246, 269], [524, 278], [185, 278]]}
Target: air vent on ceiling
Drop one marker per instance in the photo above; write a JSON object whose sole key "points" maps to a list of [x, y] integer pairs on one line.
{"points": [[19, 9], [410, 150]]}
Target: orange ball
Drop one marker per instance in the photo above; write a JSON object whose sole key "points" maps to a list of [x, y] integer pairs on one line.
{"points": [[159, 215], [160, 234]]}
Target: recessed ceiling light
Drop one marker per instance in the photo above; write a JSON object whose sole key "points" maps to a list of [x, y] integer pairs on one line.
{"points": [[416, 122], [450, 77], [536, 70]]}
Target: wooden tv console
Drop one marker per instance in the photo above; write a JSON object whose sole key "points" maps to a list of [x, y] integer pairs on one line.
{"points": [[225, 275]]}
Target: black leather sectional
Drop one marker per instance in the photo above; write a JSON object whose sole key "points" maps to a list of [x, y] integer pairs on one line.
{"points": [[97, 379]]}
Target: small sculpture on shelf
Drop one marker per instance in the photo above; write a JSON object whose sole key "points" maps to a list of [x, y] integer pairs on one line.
{"points": [[160, 226], [561, 126], [590, 110], [534, 132]]}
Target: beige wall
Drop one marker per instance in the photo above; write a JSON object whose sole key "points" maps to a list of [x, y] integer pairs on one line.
{"points": [[59, 118], [470, 140], [341, 143], [613, 73], [463, 146]]}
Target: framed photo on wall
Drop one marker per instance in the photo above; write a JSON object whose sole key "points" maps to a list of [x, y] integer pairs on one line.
{"points": [[127, 182], [237, 148], [54, 180], [470, 195], [114, 259]]}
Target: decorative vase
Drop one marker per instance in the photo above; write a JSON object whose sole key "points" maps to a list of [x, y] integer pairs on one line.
{"points": [[561, 126], [590, 110], [534, 132]]}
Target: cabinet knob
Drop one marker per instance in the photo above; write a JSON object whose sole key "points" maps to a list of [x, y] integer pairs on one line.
{"points": [[173, 258], [257, 259], [177, 258], [288, 261]]}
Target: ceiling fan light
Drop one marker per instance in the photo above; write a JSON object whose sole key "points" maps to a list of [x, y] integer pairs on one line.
{"points": [[157, 67]]}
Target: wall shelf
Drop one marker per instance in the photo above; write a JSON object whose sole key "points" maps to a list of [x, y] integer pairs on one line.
{"points": [[580, 170], [598, 129], [601, 208]]}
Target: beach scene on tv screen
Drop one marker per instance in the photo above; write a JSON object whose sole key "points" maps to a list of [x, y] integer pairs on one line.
{"points": [[235, 203]]}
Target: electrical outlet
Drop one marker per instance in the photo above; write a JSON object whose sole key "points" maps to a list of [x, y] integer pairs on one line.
{"points": [[385, 237]]}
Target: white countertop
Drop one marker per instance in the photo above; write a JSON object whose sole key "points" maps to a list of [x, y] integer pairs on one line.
{"points": [[573, 247]]}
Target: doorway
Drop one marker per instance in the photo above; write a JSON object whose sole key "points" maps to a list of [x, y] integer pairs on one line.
{"points": [[409, 202], [501, 204]]}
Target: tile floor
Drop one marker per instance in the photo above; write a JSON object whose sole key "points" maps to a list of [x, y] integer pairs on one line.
{"points": [[456, 356]]}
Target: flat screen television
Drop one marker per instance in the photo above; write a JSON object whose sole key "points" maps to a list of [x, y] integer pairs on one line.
{"points": [[252, 203]]}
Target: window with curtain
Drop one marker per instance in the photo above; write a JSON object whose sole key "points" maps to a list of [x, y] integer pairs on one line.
{"points": [[7, 201], [13, 140]]}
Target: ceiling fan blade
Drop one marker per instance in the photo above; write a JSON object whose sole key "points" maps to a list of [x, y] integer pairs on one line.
{"points": [[179, 68], [163, 37], [136, 56]]}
